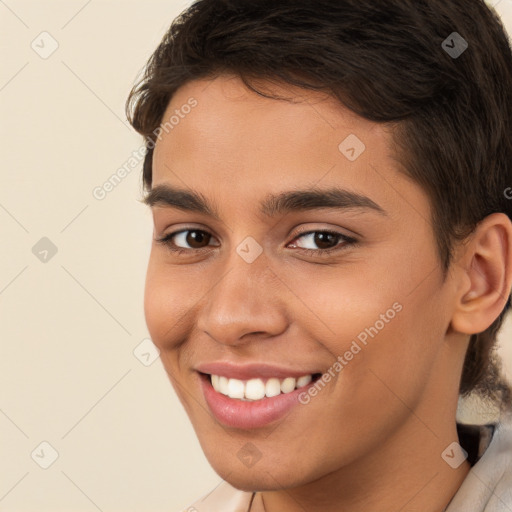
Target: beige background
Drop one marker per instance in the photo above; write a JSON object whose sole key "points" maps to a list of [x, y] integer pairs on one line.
{"points": [[69, 326]]}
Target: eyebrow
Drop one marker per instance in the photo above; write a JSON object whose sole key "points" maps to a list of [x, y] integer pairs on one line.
{"points": [[271, 206]]}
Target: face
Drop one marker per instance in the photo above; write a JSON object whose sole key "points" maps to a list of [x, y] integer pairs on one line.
{"points": [[303, 254]]}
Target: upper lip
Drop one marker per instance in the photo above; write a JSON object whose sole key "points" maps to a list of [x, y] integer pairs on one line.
{"points": [[250, 371]]}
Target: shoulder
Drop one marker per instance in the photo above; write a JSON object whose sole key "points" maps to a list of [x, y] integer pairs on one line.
{"points": [[488, 485], [224, 497]]}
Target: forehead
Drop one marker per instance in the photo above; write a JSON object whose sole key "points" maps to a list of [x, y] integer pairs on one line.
{"points": [[226, 112], [235, 140]]}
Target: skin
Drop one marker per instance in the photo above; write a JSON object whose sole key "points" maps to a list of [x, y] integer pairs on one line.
{"points": [[372, 439]]}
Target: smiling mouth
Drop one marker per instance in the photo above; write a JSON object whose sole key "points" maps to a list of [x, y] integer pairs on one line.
{"points": [[258, 388]]}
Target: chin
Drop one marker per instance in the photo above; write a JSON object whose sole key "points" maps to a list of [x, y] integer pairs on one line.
{"points": [[258, 480], [262, 476]]}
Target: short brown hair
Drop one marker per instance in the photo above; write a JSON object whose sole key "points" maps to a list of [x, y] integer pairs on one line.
{"points": [[385, 61]]}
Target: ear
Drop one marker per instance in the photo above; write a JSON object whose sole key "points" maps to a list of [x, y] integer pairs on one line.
{"points": [[484, 275]]}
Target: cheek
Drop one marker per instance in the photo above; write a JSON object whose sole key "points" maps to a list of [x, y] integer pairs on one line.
{"points": [[378, 320], [166, 302], [336, 304], [156, 312], [395, 364]]}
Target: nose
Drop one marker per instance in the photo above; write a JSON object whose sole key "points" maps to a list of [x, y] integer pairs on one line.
{"points": [[246, 302]]}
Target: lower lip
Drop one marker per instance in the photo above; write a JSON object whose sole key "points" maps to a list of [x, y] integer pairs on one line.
{"points": [[236, 413]]}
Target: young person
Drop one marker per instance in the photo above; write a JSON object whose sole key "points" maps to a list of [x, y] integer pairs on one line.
{"points": [[330, 183]]}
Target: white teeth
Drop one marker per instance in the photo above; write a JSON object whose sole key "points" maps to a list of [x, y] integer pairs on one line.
{"points": [[272, 387], [223, 385], [303, 381], [254, 389], [236, 388], [288, 384], [257, 389]]}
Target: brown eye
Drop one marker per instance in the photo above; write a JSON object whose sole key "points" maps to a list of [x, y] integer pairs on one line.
{"points": [[322, 240], [325, 240], [187, 239], [197, 239]]}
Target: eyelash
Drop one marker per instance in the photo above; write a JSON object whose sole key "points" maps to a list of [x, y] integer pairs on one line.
{"points": [[166, 240]]}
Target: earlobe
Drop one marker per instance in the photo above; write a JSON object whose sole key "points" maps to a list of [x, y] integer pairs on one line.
{"points": [[485, 273]]}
